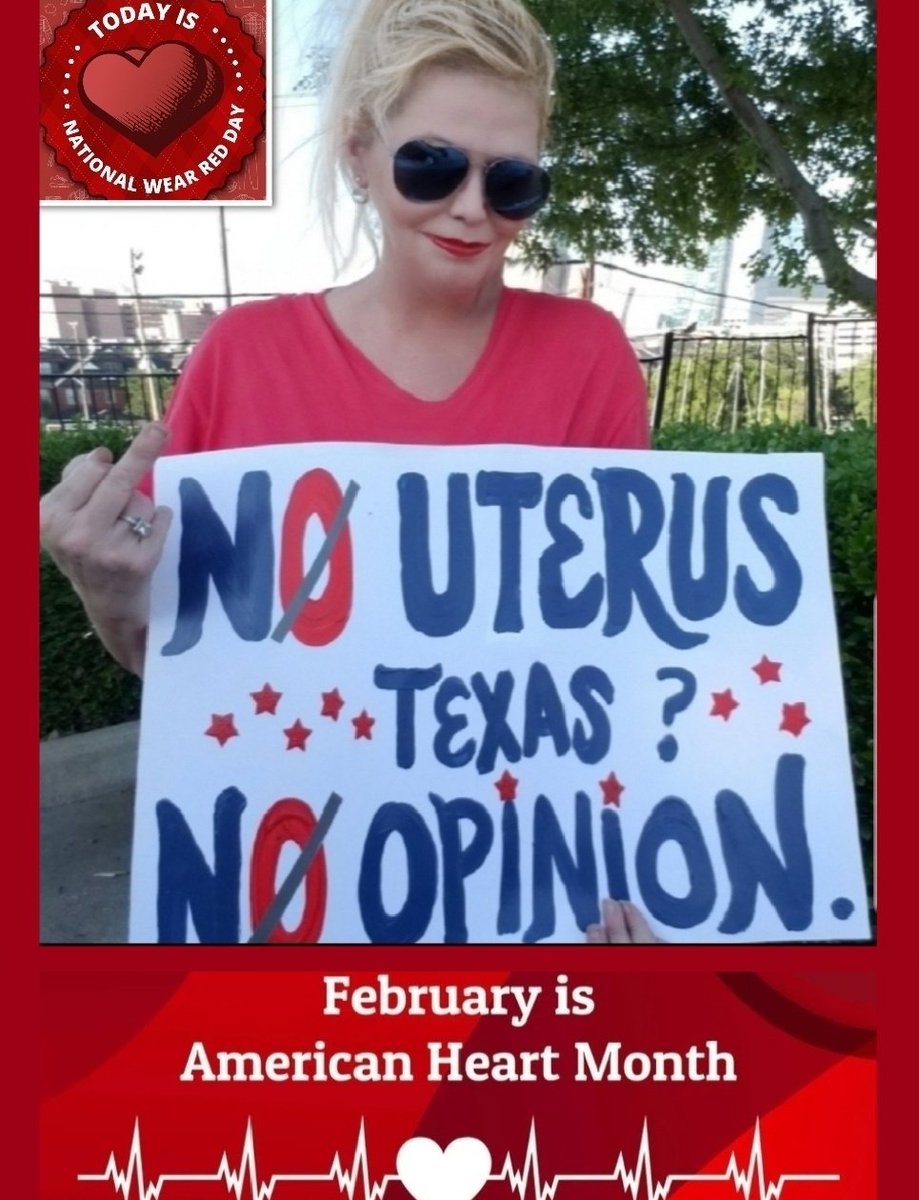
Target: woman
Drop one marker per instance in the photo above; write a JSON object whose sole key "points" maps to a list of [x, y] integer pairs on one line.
{"points": [[438, 115]]}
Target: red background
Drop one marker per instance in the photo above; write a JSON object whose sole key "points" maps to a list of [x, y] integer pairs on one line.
{"points": [[808, 1077], [94, 999]]}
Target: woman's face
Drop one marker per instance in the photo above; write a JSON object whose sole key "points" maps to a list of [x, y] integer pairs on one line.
{"points": [[457, 243]]}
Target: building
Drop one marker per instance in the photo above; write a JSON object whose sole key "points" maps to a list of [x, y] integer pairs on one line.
{"points": [[104, 316], [98, 362]]}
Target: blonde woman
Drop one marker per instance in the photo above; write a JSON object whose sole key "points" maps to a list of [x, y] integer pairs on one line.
{"points": [[437, 119]]}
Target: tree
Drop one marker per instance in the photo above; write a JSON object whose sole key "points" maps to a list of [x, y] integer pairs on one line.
{"points": [[674, 124]]}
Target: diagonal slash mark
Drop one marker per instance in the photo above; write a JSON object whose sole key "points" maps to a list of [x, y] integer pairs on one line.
{"points": [[297, 873], [303, 592]]}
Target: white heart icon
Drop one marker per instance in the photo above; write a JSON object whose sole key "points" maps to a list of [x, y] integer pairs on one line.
{"points": [[458, 1172]]}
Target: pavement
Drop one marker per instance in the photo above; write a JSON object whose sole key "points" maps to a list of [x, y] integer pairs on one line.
{"points": [[87, 809]]}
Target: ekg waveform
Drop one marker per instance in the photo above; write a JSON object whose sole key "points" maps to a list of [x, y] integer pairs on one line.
{"points": [[634, 1178]]}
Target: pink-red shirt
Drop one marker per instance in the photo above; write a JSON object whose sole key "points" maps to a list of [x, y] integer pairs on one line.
{"points": [[555, 372]]}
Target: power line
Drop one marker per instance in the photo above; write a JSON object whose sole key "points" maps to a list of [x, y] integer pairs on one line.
{"points": [[693, 287], [152, 296], [581, 262]]}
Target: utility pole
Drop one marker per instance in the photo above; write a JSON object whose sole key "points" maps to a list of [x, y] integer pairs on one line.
{"points": [[625, 308], [224, 252], [78, 378], [588, 281], [153, 401]]}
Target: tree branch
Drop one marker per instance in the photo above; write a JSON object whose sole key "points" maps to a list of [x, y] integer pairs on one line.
{"points": [[840, 275]]}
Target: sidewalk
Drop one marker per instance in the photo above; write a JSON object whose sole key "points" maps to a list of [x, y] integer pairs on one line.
{"points": [[86, 808]]}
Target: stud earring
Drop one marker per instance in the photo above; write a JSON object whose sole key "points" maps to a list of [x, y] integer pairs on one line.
{"points": [[359, 192]]}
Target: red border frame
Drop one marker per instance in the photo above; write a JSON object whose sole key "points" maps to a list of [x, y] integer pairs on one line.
{"points": [[892, 958]]}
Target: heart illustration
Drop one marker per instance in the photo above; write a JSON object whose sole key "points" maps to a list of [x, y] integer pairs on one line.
{"points": [[458, 1172], [151, 96]]}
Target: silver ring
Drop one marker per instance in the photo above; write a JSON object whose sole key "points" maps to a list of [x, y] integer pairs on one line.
{"points": [[141, 527]]}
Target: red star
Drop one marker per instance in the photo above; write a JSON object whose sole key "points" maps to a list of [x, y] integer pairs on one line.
{"points": [[266, 701], [332, 704], [222, 728], [767, 670], [507, 786], [363, 723], [612, 789], [794, 718], [723, 704], [297, 735]]}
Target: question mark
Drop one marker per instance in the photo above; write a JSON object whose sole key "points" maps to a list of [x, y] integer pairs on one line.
{"points": [[667, 747]]}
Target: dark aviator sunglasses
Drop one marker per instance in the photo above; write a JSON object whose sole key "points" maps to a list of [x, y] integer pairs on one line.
{"points": [[514, 189]]}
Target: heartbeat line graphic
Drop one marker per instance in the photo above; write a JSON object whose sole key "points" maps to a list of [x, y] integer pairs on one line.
{"points": [[527, 1183]]}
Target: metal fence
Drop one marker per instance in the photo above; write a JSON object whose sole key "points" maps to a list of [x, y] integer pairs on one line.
{"points": [[825, 376], [122, 357], [82, 398]]}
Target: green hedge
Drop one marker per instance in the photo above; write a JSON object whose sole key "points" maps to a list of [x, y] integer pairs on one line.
{"points": [[83, 689]]}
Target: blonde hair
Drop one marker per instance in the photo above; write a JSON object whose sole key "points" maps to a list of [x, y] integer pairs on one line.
{"points": [[386, 46]]}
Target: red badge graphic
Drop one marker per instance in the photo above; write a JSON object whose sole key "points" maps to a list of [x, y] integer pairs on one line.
{"points": [[151, 102]]}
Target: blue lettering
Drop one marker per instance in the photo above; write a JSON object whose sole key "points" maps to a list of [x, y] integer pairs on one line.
{"points": [[436, 614], [410, 922], [498, 737], [698, 598], [405, 682], [544, 714], [509, 893], [578, 873], [626, 547], [243, 571], [776, 604], [672, 820], [591, 746], [617, 886], [511, 493], [559, 610], [751, 862], [185, 881], [459, 860], [449, 724]]}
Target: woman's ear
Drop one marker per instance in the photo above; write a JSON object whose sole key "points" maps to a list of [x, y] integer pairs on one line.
{"points": [[357, 146]]}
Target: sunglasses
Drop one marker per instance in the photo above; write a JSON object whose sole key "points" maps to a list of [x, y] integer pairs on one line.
{"points": [[514, 189]]}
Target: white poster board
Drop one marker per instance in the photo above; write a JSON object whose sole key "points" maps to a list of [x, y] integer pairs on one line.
{"points": [[525, 679]]}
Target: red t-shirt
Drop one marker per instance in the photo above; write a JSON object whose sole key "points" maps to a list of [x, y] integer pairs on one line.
{"points": [[555, 372]]}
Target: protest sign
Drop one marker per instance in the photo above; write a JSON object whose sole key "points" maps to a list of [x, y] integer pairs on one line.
{"points": [[415, 694]]}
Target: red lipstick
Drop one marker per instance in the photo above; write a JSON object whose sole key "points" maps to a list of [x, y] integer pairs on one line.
{"points": [[458, 249]]}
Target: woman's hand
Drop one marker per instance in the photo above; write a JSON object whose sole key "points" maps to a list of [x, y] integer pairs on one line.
{"points": [[107, 537], [622, 923]]}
